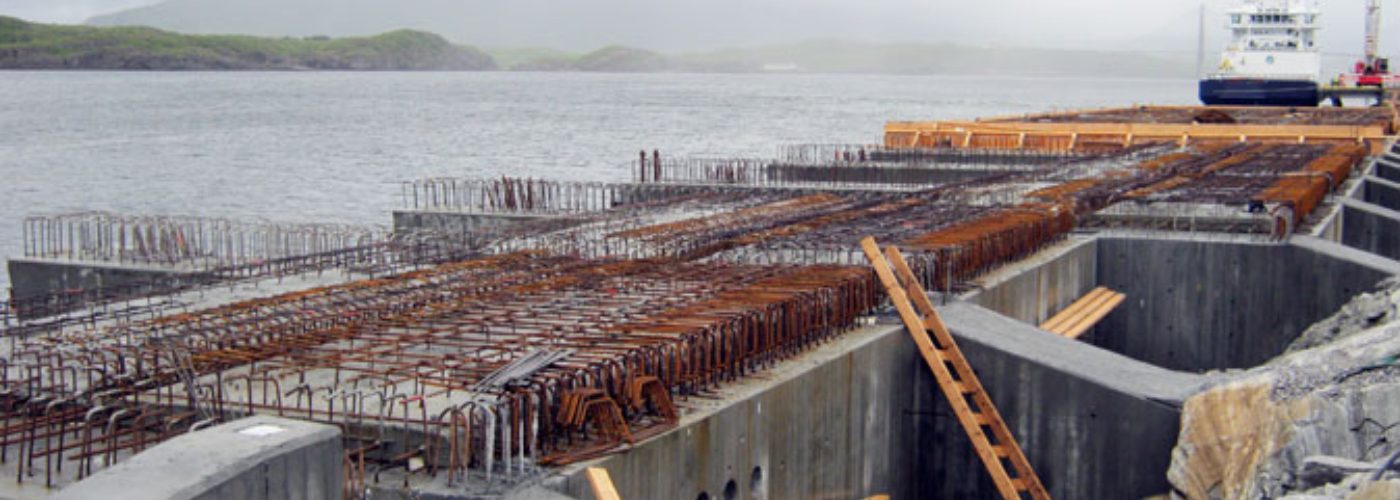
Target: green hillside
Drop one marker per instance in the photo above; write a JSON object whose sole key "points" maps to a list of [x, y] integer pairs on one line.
{"points": [[25, 45]]}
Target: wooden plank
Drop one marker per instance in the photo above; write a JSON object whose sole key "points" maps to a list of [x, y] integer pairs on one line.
{"points": [[1089, 307], [1144, 129], [1072, 310], [602, 484], [1094, 317]]}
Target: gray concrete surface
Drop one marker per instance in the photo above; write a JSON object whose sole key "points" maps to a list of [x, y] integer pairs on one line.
{"points": [[1199, 305], [1037, 287], [31, 278], [249, 459], [1094, 424], [457, 223], [1371, 228], [1193, 303], [836, 422], [1381, 192], [1388, 168], [863, 416]]}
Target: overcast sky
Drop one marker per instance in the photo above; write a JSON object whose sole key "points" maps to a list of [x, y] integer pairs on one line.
{"points": [[1155, 25]]}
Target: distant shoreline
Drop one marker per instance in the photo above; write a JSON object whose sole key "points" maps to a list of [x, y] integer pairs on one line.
{"points": [[25, 45], [33, 46]]}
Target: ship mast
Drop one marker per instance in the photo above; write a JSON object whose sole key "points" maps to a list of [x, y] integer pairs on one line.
{"points": [[1373, 31]]}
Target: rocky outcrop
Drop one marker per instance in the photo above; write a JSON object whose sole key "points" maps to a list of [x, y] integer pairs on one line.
{"points": [[1295, 425], [1365, 311]]}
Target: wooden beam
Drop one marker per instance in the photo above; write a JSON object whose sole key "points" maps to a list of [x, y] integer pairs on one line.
{"points": [[1084, 313], [602, 484], [1144, 130], [1093, 317], [1072, 310]]}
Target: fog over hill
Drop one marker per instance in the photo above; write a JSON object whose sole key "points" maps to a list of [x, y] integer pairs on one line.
{"points": [[1161, 28], [672, 26]]}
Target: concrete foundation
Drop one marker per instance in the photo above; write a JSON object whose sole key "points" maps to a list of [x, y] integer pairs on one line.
{"points": [[65, 283], [1193, 304], [253, 458], [1380, 192], [1093, 423], [864, 416], [1389, 169], [835, 423], [1369, 227]]}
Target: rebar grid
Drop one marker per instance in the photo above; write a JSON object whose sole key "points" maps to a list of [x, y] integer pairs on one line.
{"points": [[817, 154], [194, 243], [400, 356]]}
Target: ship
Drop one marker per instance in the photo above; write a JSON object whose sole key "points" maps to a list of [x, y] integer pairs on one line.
{"points": [[1272, 58]]}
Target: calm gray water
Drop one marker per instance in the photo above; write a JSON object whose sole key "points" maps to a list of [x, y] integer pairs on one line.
{"points": [[333, 146]]}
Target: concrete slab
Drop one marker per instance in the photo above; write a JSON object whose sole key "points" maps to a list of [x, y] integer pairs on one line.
{"points": [[249, 459]]}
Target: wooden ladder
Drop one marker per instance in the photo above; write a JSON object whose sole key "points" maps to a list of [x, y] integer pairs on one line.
{"points": [[974, 409]]}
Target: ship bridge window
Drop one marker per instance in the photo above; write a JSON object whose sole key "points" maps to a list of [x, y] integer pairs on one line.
{"points": [[1235, 18]]}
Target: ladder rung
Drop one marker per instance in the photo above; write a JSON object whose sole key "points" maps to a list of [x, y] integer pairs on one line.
{"points": [[974, 413]]}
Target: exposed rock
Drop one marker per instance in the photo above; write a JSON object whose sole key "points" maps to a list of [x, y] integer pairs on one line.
{"points": [[1365, 311], [1381, 490], [1252, 437], [1321, 471]]}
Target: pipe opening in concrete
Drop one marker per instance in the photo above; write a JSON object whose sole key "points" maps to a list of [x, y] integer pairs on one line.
{"points": [[703, 496], [756, 479], [731, 490]]}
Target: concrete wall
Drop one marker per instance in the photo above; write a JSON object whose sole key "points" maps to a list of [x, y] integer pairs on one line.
{"points": [[466, 223], [1388, 168], [1371, 228], [836, 423], [1093, 423], [1036, 288], [1198, 305], [1192, 304], [1380, 192], [871, 420], [234, 461], [31, 277]]}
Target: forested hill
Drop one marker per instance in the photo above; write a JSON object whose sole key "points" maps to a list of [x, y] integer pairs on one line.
{"points": [[25, 45]]}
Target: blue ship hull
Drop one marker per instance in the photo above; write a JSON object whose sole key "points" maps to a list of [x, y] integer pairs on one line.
{"points": [[1247, 92]]}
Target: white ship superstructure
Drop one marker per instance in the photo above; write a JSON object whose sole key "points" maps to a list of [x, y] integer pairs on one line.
{"points": [[1272, 57]]}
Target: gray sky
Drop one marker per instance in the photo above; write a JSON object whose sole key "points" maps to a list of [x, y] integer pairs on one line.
{"points": [[692, 25]]}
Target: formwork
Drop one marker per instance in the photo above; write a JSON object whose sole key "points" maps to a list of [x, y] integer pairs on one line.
{"points": [[1184, 126]]}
